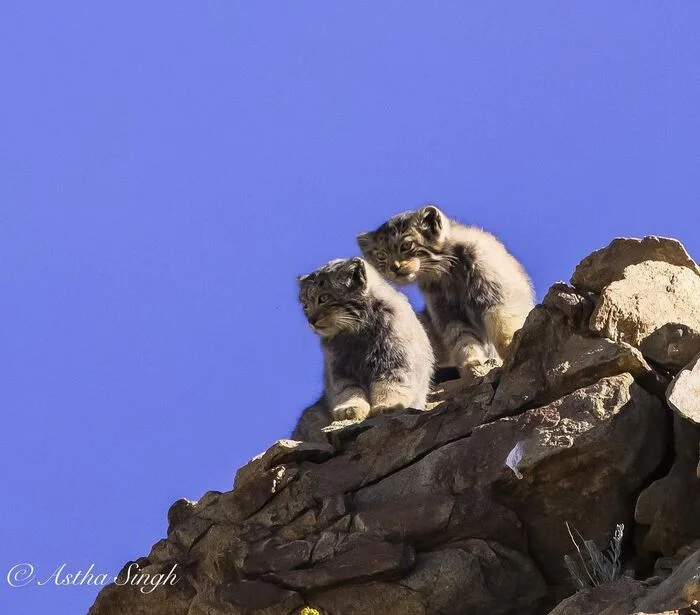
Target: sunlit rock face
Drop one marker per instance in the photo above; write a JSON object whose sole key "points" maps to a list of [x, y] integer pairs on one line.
{"points": [[592, 421]]}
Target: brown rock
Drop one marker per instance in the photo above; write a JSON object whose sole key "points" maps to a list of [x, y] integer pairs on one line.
{"points": [[257, 598], [128, 598], [616, 598], [680, 590], [596, 445], [608, 264], [368, 599], [553, 355], [283, 452], [684, 392], [366, 560], [649, 296], [220, 556], [235, 506], [475, 577], [275, 554], [670, 506], [671, 346]]}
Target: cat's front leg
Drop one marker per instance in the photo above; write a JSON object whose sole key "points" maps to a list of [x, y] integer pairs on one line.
{"points": [[467, 350], [349, 401], [386, 396]]}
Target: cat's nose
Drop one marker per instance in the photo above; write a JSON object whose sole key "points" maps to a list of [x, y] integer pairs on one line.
{"points": [[396, 266]]}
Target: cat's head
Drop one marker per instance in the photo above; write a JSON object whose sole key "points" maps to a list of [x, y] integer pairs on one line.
{"points": [[333, 296], [407, 246]]}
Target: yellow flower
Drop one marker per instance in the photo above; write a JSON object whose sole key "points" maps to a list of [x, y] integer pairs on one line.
{"points": [[307, 610]]}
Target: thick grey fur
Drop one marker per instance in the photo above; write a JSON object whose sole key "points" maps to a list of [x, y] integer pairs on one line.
{"points": [[476, 293], [377, 356]]}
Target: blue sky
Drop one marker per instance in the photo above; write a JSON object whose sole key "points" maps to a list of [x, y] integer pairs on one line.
{"points": [[168, 168]]}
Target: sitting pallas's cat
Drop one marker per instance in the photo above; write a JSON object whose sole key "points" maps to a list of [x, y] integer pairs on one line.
{"points": [[476, 293], [377, 356]]}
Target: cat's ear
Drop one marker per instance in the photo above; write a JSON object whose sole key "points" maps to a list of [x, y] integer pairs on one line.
{"points": [[364, 240], [357, 274], [431, 220], [302, 278]]}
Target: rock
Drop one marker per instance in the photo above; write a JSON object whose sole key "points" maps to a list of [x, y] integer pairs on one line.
{"points": [[344, 528], [553, 355], [367, 599], [635, 307], [463, 508], [684, 392], [608, 264], [256, 597], [365, 559], [479, 576], [670, 506], [280, 453], [468, 578], [617, 598], [680, 590], [276, 554], [648, 293], [596, 445], [671, 346], [127, 598]]}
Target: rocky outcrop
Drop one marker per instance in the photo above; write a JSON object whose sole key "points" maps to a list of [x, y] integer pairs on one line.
{"points": [[463, 509]]}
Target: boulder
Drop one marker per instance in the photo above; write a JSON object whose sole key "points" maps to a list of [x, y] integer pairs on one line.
{"points": [[683, 393], [671, 346], [632, 309], [609, 264], [648, 297], [616, 598]]}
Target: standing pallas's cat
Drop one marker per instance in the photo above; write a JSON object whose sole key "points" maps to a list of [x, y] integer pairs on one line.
{"points": [[477, 295]]}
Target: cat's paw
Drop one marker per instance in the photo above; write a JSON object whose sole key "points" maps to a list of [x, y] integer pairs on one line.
{"points": [[385, 408], [356, 412], [478, 369]]}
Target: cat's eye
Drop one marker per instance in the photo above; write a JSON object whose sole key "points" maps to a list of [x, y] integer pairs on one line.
{"points": [[407, 245], [322, 298], [380, 256]]}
